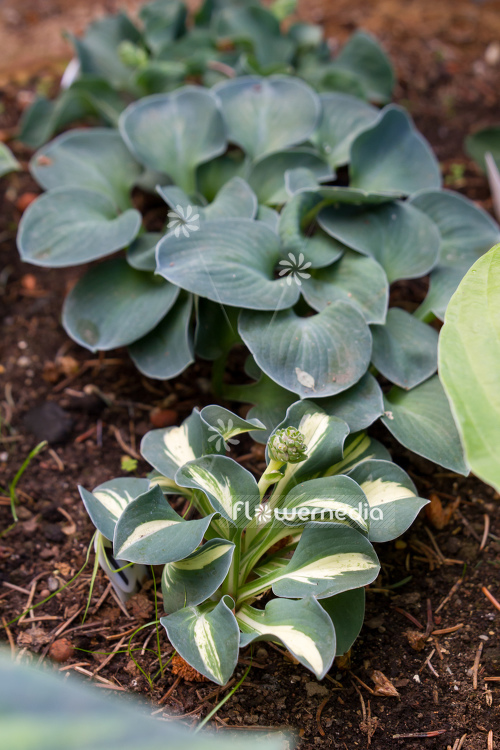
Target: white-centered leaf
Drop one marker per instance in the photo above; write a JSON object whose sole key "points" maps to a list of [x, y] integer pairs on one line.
{"points": [[108, 501]]}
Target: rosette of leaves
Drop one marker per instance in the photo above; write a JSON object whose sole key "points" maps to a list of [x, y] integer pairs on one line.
{"points": [[118, 60], [285, 217], [301, 536]]}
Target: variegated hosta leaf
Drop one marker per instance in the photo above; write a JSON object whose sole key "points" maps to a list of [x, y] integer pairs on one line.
{"points": [[231, 489], [347, 612], [167, 486], [149, 531], [324, 437], [172, 447], [207, 637], [224, 425], [108, 501], [303, 627], [358, 448], [125, 582], [193, 580], [327, 561], [392, 498], [336, 499]]}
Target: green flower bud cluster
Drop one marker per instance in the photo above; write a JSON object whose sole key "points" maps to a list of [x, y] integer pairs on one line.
{"points": [[132, 55], [287, 445]]}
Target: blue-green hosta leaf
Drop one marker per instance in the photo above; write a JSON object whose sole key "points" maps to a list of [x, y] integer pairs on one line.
{"points": [[255, 26], [149, 531], [114, 305], [469, 362], [108, 501], [335, 195], [167, 350], [163, 22], [324, 437], [300, 180], [95, 159], [214, 174], [8, 162], [343, 117], [267, 175], [141, 253], [466, 233], [400, 237], [393, 155], [354, 278], [303, 627], [69, 226], [170, 448], [404, 349], [125, 578], [263, 115], [359, 406], [225, 425], [483, 142], [234, 200], [216, 328], [231, 489], [364, 58], [357, 448], [231, 262], [317, 248], [207, 637], [191, 581], [327, 561], [392, 498], [175, 132], [422, 421], [269, 216], [347, 612], [335, 499], [315, 356]]}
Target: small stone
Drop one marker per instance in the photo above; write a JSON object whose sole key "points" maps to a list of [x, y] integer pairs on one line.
{"points": [[163, 417], [25, 200], [492, 54], [4, 456], [61, 650], [28, 282], [44, 593], [48, 422], [53, 584], [314, 688], [262, 654], [400, 544]]}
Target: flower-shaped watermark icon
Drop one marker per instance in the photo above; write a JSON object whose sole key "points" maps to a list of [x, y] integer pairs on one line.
{"points": [[263, 514], [219, 435], [295, 269], [183, 220]]}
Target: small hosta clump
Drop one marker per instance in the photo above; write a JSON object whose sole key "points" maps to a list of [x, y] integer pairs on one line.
{"points": [[288, 446]]}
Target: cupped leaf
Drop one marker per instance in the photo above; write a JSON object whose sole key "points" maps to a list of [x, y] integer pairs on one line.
{"points": [[354, 278], [392, 498], [263, 115], [141, 253], [357, 448], [174, 133], [69, 226], [366, 60], [300, 180], [126, 579], [167, 350], [114, 305], [207, 637], [324, 438], [327, 561], [149, 531], [393, 155], [267, 176], [343, 117], [194, 579], [359, 406], [335, 499], [404, 349], [303, 627], [483, 142], [347, 612], [235, 199], [173, 447], [315, 356], [225, 425], [422, 421], [231, 262], [108, 501], [95, 159], [469, 363], [8, 162], [231, 489], [397, 235], [467, 232]]}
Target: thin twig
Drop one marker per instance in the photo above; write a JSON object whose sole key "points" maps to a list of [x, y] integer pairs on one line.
{"points": [[447, 598], [9, 636], [445, 631], [476, 665], [490, 596], [111, 655], [318, 715], [485, 532]]}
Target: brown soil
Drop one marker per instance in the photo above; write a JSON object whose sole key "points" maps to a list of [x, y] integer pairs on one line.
{"points": [[444, 79]]}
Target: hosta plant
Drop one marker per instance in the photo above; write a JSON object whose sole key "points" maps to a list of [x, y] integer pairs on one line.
{"points": [[284, 559], [286, 217], [118, 60]]}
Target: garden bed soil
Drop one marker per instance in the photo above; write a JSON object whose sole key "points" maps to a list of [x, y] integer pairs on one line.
{"points": [[449, 86]]}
